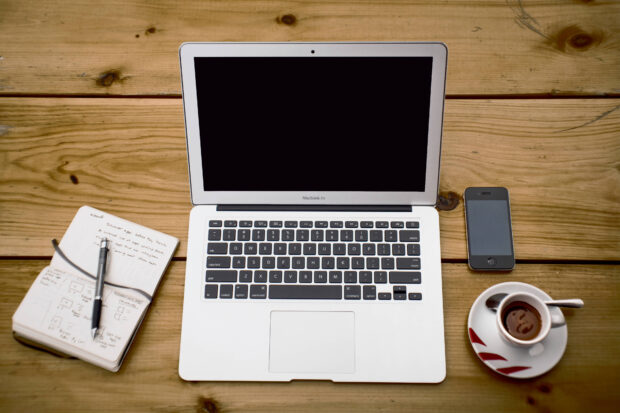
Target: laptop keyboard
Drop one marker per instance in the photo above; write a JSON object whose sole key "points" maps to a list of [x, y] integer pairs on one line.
{"points": [[325, 260]]}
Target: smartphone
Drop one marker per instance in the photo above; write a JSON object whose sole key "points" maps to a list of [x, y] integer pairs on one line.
{"points": [[489, 230]]}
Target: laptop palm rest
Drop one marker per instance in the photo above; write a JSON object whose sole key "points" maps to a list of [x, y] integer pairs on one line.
{"points": [[312, 342]]}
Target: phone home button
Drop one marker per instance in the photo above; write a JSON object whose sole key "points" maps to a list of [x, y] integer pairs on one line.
{"points": [[491, 261]]}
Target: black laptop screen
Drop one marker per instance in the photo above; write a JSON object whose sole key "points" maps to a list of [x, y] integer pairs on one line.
{"points": [[313, 123]]}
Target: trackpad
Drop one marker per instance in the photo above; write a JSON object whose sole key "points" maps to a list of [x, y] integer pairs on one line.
{"points": [[312, 342]]}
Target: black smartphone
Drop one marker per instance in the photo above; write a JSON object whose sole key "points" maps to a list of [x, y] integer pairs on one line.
{"points": [[489, 230]]}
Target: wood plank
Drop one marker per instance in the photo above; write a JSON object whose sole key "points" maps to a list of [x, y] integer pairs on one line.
{"points": [[496, 47], [127, 156], [586, 376]]}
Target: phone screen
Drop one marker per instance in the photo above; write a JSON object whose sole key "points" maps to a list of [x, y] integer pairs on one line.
{"points": [[489, 232]]}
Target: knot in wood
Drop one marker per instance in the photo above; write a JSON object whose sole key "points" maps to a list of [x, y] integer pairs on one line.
{"points": [[207, 405], [581, 40], [288, 19], [447, 201], [106, 79]]}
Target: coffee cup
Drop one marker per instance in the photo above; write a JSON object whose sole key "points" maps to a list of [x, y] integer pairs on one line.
{"points": [[524, 319]]}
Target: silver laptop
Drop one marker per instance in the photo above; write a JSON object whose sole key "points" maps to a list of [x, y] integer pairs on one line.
{"points": [[313, 248]]}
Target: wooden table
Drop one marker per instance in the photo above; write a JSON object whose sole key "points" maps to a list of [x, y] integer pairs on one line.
{"points": [[91, 113]]}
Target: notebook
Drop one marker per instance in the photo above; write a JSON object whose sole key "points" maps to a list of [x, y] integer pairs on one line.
{"points": [[56, 312], [313, 247]]}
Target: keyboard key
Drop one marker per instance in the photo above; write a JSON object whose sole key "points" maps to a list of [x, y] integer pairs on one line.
{"points": [[354, 249], [218, 262], [369, 249], [305, 224], [211, 291], [260, 224], [284, 263], [367, 224], [302, 235], [316, 235], [335, 224], [250, 248], [313, 263], [408, 263], [400, 289], [383, 249], [325, 249], [413, 249], [317, 292], [405, 277], [309, 249], [413, 224], [400, 296], [305, 277], [215, 234], [397, 224], [331, 235], [350, 277], [376, 236], [357, 263], [264, 248], [382, 224], [241, 291], [346, 235], [370, 292], [238, 262], [275, 276], [258, 291], [351, 224], [226, 291], [215, 223], [409, 236], [340, 249], [361, 235], [288, 235], [236, 248], [230, 224], [365, 277], [372, 263], [328, 263], [275, 224], [385, 296], [387, 263], [269, 262], [273, 235], [343, 263], [243, 234], [320, 277], [352, 292], [391, 235], [294, 248], [260, 276], [258, 235], [217, 248], [214, 276], [279, 248], [298, 263], [398, 249], [320, 224], [253, 262], [290, 276], [290, 224], [415, 296], [245, 276], [245, 224], [380, 277], [335, 277]]}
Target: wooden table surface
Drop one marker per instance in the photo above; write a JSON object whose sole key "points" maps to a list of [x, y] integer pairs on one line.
{"points": [[91, 114]]}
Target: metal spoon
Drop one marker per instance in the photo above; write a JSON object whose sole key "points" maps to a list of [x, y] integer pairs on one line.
{"points": [[493, 302]]}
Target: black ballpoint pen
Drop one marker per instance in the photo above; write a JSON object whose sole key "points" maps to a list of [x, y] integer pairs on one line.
{"points": [[101, 267]]}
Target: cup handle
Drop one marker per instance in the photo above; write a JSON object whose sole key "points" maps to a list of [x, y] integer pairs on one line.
{"points": [[557, 319]]}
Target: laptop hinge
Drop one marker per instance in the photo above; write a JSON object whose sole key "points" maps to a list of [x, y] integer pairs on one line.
{"points": [[337, 208]]}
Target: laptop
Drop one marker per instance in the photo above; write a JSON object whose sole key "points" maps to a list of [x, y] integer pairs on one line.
{"points": [[313, 249]]}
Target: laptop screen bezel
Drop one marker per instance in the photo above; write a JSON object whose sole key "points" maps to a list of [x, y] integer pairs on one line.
{"points": [[187, 53]]}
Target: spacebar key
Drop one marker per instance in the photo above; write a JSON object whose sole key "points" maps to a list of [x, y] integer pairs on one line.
{"points": [[312, 292]]}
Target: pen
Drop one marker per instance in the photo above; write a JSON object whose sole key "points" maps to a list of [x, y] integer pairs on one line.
{"points": [[101, 267]]}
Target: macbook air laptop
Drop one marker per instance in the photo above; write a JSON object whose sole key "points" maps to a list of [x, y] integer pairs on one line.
{"points": [[313, 248]]}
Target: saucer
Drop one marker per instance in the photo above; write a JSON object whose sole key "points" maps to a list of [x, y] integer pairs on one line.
{"points": [[503, 357]]}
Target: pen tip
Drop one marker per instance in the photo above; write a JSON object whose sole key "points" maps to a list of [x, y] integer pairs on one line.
{"points": [[93, 333]]}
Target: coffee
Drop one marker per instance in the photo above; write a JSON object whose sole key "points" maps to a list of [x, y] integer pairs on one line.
{"points": [[521, 320]]}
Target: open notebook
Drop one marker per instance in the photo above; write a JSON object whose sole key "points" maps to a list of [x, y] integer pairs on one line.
{"points": [[56, 312]]}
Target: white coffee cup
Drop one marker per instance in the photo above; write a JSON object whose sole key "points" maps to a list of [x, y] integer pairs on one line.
{"points": [[547, 319]]}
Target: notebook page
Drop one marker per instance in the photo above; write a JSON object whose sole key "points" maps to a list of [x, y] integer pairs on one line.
{"points": [[58, 307], [138, 255]]}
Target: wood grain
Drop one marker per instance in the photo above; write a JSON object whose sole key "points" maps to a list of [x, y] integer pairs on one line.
{"points": [[130, 48], [558, 158], [586, 376]]}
